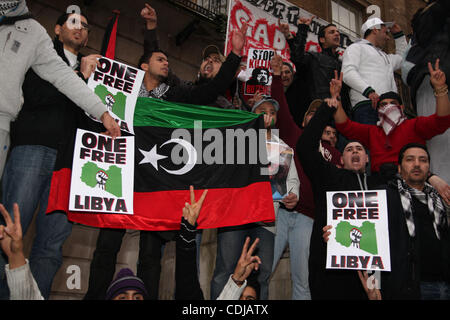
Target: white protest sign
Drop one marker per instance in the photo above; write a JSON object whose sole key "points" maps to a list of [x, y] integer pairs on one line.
{"points": [[102, 174], [117, 85], [359, 238], [259, 71], [280, 158]]}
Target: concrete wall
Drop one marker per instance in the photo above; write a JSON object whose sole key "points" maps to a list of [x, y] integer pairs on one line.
{"points": [[184, 60]]}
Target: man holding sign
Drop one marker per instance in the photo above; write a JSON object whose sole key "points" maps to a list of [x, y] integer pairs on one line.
{"points": [[27, 45], [159, 83], [418, 231], [45, 124], [324, 176]]}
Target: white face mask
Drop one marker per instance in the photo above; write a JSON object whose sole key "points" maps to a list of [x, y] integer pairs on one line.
{"points": [[6, 6]]}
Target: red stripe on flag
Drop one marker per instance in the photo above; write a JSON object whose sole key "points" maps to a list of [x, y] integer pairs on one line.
{"points": [[58, 199], [111, 50], [162, 210]]}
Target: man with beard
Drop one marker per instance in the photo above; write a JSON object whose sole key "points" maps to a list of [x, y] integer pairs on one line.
{"points": [[394, 130], [158, 83], [46, 123], [418, 231], [314, 70], [215, 75], [26, 44], [430, 39], [419, 238]]}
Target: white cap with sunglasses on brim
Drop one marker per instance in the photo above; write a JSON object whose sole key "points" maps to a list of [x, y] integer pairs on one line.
{"points": [[375, 23]]}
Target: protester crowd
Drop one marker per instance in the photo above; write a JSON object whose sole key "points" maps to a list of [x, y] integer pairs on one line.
{"points": [[341, 115]]}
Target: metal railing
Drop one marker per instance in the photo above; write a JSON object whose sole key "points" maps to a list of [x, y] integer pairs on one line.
{"points": [[207, 8]]}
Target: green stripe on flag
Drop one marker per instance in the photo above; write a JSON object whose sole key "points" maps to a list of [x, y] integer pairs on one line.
{"points": [[159, 113]]}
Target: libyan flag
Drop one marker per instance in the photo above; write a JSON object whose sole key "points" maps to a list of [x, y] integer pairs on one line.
{"points": [[178, 145]]}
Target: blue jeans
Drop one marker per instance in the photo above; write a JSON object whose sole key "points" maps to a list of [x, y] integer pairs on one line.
{"points": [[435, 290], [230, 241], [26, 180], [365, 114], [295, 229]]}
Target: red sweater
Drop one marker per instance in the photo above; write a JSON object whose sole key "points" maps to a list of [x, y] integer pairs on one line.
{"points": [[384, 148]]}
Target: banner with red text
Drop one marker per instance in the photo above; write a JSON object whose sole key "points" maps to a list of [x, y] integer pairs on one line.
{"points": [[264, 36]]}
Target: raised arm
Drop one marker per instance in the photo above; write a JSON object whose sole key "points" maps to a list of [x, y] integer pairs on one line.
{"points": [[186, 273], [438, 81], [289, 130], [244, 267], [151, 21], [20, 280], [207, 93], [335, 89], [401, 45], [315, 166], [49, 66], [297, 44], [150, 17], [344, 125]]}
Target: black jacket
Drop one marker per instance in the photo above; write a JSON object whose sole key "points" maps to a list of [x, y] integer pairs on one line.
{"points": [[199, 93], [186, 274], [314, 72], [324, 176], [48, 117], [403, 282], [205, 93]]}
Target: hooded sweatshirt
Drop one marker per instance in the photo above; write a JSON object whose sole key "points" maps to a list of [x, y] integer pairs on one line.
{"points": [[24, 43]]}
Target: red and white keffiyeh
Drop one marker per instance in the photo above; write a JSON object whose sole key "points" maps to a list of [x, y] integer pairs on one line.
{"points": [[391, 116]]}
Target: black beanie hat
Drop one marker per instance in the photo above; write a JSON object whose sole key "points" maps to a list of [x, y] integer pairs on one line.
{"points": [[390, 95]]}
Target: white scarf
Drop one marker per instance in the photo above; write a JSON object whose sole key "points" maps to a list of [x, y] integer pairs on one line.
{"points": [[391, 116]]}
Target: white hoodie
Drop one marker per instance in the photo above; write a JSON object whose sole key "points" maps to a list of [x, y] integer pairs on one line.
{"points": [[367, 68]]}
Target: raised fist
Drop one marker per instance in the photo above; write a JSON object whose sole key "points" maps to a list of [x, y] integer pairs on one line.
{"points": [[101, 178], [355, 236]]}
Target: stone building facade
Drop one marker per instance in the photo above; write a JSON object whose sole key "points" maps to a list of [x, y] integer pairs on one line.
{"points": [[185, 27]]}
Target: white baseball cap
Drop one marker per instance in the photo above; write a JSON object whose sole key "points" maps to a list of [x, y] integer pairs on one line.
{"points": [[374, 22]]}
